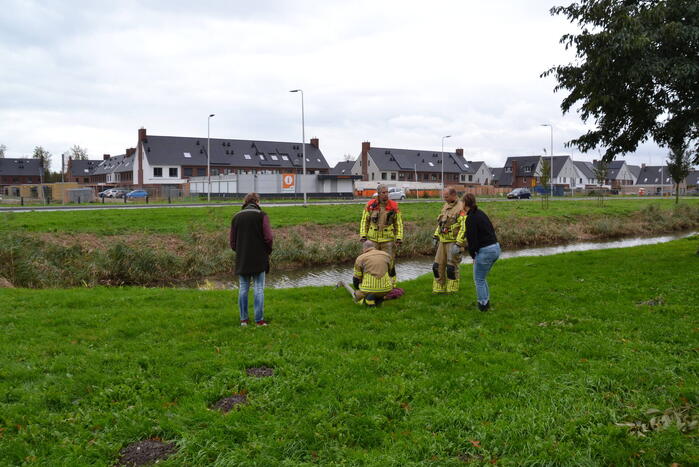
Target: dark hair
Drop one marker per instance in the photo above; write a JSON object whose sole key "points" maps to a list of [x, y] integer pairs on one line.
{"points": [[251, 198], [469, 200]]}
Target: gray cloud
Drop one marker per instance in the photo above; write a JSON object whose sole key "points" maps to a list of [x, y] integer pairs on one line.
{"points": [[395, 73]]}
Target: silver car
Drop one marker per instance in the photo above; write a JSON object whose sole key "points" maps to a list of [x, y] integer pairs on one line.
{"points": [[393, 193]]}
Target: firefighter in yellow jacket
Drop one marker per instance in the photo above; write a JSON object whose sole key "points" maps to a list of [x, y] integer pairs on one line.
{"points": [[449, 240], [382, 223], [370, 278]]}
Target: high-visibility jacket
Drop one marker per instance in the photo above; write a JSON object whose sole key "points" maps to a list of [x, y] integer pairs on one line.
{"points": [[451, 223], [371, 268], [372, 215]]}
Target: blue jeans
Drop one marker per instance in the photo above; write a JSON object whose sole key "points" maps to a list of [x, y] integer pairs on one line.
{"points": [[259, 294], [485, 258]]}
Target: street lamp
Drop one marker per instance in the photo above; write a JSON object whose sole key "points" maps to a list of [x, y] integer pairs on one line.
{"points": [[208, 155], [303, 146], [551, 168], [443, 138]]}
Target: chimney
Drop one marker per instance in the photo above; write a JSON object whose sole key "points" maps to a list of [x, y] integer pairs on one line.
{"points": [[142, 134], [594, 161], [315, 143], [460, 152], [130, 151], [366, 146], [643, 166], [514, 173], [106, 157]]}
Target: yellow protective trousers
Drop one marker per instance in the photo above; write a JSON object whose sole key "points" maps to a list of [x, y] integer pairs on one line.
{"points": [[446, 268]]}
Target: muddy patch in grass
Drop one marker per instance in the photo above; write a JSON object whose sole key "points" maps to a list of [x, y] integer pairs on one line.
{"points": [[470, 458], [227, 404], [145, 452], [260, 372]]}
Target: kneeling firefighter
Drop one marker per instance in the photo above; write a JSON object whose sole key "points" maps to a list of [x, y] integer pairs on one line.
{"points": [[382, 223], [370, 279], [449, 240]]}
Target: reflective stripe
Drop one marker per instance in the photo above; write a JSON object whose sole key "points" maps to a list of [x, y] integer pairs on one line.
{"points": [[374, 284]]}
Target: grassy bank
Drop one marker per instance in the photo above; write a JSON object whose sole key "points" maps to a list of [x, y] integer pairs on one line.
{"points": [[577, 346], [184, 220], [65, 259]]}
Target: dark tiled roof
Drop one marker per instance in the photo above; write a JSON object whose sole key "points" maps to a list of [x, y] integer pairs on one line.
{"points": [[634, 169], [180, 150], [114, 164], [587, 169], [394, 159], [343, 168], [18, 167], [693, 178], [474, 166], [496, 173], [83, 168], [613, 168], [650, 175]]}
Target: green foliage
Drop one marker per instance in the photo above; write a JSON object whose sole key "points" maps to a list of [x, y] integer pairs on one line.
{"points": [[635, 72], [679, 165], [577, 345], [78, 153]]}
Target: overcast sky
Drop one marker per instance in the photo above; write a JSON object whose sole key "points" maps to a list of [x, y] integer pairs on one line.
{"points": [[395, 73]]}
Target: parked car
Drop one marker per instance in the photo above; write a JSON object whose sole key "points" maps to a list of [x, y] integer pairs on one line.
{"points": [[118, 192], [137, 194], [519, 193], [106, 193], [393, 193]]}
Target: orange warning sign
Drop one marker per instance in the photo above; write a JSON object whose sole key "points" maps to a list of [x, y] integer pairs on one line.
{"points": [[289, 183]]}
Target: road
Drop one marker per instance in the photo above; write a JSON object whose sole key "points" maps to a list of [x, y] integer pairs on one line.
{"points": [[237, 203]]}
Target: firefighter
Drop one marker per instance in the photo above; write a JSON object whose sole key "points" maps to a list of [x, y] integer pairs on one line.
{"points": [[382, 223], [449, 240], [370, 280]]}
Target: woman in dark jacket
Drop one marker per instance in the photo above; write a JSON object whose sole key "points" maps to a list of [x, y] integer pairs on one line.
{"points": [[483, 247], [251, 239]]}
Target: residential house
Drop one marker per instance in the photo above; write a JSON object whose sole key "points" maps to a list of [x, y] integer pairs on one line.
{"points": [[495, 175], [618, 174], [477, 173], [79, 170], [408, 165], [521, 172], [19, 171], [655, 180], [635, 171], [172, 160], [115, 170], [693, 180], [586, 177], [342, 168]]}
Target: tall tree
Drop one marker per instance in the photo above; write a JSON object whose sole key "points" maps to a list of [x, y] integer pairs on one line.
{"points": [[635, 74], [679, 165], [3, 148], [601, 171], [78, 153], [45, 157]]}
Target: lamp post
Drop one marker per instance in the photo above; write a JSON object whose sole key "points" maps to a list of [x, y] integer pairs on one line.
{"points": [[551, 168], [303, 146], [443, 138], [208, 155]]}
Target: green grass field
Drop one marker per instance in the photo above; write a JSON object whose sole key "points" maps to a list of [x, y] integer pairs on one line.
{"points": [[182, 220], [575, 345]]}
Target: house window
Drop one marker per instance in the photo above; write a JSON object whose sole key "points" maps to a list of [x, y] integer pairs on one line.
{"points": [[508, 170], [157, 171], [214, 171], [285, 158], [86, 180], [527, 169], [393, 175], [470, 178], [173, 172], [201, 172], [431, 164], [580, 181], [247, 156], [188, 155], [372, 175], [463, 178], [383, 175], [274, 158], [262, 157], [187, 171]]}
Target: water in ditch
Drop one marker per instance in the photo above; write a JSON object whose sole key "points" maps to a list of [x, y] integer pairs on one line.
{"points": [[407, 269]]}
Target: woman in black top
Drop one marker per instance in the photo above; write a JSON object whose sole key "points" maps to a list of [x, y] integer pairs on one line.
{"points": [[483, 247]]}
